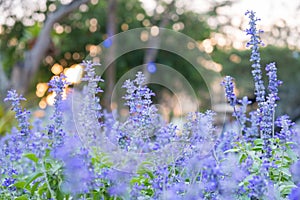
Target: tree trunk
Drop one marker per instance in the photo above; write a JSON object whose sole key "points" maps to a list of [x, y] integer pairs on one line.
{"points": [[110, 75], [151, 54], [4, 82], [24, 72]]}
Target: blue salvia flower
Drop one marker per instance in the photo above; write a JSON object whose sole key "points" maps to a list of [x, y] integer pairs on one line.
{"points": [[10, 155], [257, 186], [240, 114], [77, 171], [254, 43], [198, 133], [233, 173], [286, 128], [138, 95], [295, 193], [295, 169], [21, 115], [273, 81], [109, 122], [273, 91], [38, 138], [266, 110], [138, 190], [14, 145], [90, 113], [163, 136], [117, 181], [229, 90], [161, 182], [143, 121], [226, 141], [93, 89], [56, 132], [252, 132], [138, 98], [18, 139], [265, 119], [206, 174]]}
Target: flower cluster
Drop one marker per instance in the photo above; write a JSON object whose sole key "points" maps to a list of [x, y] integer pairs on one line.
{"points": [[254, 43], [99, 156], [229, 90], [260, 140], [57, 85], [21, 115]]}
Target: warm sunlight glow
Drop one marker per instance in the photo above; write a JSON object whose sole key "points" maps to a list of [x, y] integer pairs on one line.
{"points": [[56, 69], [74, 73], [41, 89]]}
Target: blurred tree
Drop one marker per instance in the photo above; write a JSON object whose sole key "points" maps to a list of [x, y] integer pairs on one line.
{"points": [[88, 27], [37, 49], [110, 75], [53, 32]]}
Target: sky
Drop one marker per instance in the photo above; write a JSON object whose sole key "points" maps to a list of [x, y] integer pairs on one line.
{"points": [[272, 10]]}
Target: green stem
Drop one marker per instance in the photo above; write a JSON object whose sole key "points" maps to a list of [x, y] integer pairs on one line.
{"points": [[47, 182], [282, 155], [273, 125], [215, 156], [239, 121]]}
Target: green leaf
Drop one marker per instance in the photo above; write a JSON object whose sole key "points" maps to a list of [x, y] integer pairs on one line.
{"points": [[258, 142], [257, 148], [292, 155], [31, 156], [20, 184], [246, 180], [33, 177], [34, 187], [42, 189], [256, 166], [135, 180], [285, 189], [242, 157], [23, 197], [232, 151], [285, 171]]}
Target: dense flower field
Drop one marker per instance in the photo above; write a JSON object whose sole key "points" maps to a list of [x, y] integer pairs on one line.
{"points": [[144, 157]]}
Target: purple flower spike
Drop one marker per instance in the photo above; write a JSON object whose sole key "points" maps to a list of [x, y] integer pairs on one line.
{"points": [[229, 87], [254, 43]]}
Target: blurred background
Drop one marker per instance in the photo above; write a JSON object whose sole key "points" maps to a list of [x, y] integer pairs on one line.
{"points": [[43, 38]]}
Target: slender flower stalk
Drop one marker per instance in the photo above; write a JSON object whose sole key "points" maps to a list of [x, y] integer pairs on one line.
{"points": [[21, 115], [14, 145], [240, 113], [273, 81], [90, 115], [266, 106], [254, 43], [92, 88], [273, 91], [56, 132], [229, 90]]}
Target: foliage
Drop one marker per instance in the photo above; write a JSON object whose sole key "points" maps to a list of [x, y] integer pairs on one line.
{"points": [[88, 28], [259, 161]]}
